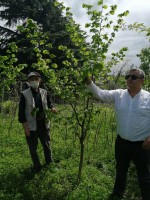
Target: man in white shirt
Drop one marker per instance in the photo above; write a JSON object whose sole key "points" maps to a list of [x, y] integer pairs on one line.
{"points": [[132, 108]]}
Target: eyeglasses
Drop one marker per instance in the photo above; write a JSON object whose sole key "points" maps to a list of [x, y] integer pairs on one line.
{"points": [[133, 77]]}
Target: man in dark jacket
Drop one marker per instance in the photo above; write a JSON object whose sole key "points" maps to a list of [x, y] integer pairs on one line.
{"points": [[33, 105]]}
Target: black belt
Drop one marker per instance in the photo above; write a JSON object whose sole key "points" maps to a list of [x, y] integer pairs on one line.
{"points": [[131, 142]]}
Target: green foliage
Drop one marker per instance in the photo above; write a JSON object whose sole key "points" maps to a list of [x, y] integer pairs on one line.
{"points": [[41, 50], [8, 107], [145, 65], [91, 61], [93, 53], [47, 14], [139, 27], [144, 55], [9, 73]]}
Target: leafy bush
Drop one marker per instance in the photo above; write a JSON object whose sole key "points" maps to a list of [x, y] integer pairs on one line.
{"points": [[8, 107]]}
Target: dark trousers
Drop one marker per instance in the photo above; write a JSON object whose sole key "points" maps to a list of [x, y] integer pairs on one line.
{"points": [[125, 152], [32, 140]]}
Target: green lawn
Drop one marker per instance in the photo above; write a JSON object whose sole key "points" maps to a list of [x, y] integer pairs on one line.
{"points": [[58, 181]]}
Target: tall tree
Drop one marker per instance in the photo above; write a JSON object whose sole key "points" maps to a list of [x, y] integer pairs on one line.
{"points": [[45, 13]]}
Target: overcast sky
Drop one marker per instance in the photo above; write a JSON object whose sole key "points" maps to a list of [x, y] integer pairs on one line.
{"points": [[139, 12]]}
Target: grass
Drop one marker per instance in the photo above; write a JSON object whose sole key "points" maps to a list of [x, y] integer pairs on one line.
{"points": [[58, 181]]}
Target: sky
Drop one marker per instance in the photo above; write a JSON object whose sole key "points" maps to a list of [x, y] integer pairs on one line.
{"points": [[139, 12]]}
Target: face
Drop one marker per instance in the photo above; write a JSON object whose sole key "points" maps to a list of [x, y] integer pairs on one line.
{"points": [[34, 82], [133, 80]]}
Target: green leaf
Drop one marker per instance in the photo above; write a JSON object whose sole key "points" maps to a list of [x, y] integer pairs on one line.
{"points": [[100, 2], [105, 6], [54, 65]]}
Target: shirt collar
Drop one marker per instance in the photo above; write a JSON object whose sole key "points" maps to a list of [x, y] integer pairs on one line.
{"points": [[136, 94], [34, 91]]}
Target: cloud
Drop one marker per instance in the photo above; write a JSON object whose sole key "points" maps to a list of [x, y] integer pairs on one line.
{"points": [[139, 10]]}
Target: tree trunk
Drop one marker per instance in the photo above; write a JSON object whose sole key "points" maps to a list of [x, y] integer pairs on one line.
{"points": [[81, 159]]}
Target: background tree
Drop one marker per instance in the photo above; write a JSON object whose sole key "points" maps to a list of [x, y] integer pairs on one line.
{"points": [[144, 55], [145, 65], [47, 15]]}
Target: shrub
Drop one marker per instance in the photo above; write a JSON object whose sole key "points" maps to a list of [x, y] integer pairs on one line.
{"points": [[8, 107]]}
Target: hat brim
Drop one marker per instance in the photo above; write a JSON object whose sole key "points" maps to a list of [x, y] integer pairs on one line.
{"points": [[33, 74]]}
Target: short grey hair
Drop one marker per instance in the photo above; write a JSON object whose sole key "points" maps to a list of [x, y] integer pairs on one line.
{"points": [[141, 72]]}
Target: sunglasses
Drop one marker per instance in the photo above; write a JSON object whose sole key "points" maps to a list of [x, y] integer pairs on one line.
{"points": [[133, 77]]}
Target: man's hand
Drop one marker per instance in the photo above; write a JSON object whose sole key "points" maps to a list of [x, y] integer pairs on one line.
{"points": [[146, 144], [88, 80], [26, 129]]}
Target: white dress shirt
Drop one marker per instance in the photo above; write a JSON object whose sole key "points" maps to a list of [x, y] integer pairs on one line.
{"points": [[132, 114]]}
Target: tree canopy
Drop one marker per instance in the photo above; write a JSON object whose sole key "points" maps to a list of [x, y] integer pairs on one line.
{"points": [[46, 14]]}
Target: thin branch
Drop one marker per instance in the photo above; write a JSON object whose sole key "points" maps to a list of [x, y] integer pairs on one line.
{"points": [[76, 115], [8, 30]]}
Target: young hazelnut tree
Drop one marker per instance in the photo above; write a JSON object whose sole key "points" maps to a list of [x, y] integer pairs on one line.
{"points": [[91, 61]]}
